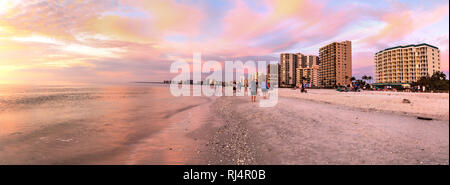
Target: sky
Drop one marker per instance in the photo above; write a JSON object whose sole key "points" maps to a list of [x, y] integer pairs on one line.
{"points": [[90, 41]]}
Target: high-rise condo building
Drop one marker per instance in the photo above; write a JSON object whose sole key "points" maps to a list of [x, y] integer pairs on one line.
{"points": [[288, 65], [273, 79], [305, 61], [406, 64], [308, 75], [335, 64], [307, 70]]}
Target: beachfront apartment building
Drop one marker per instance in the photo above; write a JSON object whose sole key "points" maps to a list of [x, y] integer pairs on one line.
{"points": [[406, 64], [335, 64], [307, 69], [305, 61], [288, 65], [273, 79], [308, 75]]}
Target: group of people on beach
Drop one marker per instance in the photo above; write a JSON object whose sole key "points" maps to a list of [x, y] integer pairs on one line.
{"points": [[302, 87], [254, 85], [354, 86]]}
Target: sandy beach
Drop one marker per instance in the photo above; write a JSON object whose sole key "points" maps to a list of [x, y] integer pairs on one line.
{"points": [[328, 127], [435, 105], [145, 124]]}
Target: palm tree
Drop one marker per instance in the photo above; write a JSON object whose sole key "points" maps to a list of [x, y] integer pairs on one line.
{"points": [[352, 78], [369, 78], [439, 75], [364, 77], [303, 79]]}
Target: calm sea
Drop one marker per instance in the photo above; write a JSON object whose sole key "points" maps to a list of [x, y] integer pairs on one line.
{"points": [[98, 124]]}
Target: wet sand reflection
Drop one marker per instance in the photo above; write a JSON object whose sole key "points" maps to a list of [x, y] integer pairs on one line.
{"points": [[97, 125]]}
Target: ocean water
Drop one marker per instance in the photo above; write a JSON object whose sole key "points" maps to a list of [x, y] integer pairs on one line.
{"points": [[98, 124]]}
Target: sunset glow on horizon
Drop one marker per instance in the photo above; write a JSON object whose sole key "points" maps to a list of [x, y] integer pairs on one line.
{"points": [[83, 41]]}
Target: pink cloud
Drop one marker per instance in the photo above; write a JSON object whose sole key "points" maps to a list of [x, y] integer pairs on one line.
{"points": [[132, 35], [54, 18], [400, 23]]}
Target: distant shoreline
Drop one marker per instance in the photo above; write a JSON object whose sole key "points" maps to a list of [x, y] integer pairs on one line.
{"points": [[149, 82]]}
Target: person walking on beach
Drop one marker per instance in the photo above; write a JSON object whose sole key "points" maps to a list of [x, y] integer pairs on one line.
{"points": [[264, 89], [302, 88], [239, 86], [253, 90], [246, 86]]}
